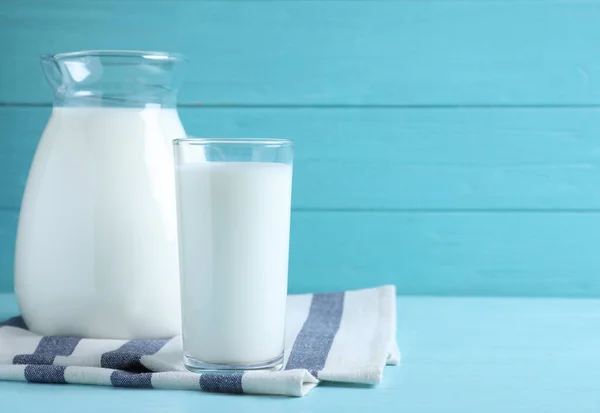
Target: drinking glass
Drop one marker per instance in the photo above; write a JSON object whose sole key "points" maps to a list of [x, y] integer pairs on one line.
{"points": [[233, 207]]}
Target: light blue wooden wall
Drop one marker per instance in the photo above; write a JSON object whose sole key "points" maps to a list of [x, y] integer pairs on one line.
{"points": [[448, 147]]}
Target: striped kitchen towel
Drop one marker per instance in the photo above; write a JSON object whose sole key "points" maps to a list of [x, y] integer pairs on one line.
{"points": [[340, 337]]}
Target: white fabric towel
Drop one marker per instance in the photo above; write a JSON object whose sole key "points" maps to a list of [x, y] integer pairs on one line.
{"points": [[341, 337]]}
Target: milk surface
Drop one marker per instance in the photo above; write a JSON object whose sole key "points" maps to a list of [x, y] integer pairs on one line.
{"points": [[234, 222], [96, 250]]}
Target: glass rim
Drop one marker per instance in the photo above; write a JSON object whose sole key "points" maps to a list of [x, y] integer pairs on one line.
{"points": [[277, 142], [143, 54]]}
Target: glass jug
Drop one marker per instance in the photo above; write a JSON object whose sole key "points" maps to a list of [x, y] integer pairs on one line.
{"points": [[96, 252]]}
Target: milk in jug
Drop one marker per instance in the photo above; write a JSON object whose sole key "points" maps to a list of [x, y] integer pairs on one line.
{"points": [[96, 252]]}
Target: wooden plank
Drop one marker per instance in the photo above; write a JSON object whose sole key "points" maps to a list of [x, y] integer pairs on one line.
{"points": [[19, 134], [392, 159], [326, 52], [8, 233], [496, 254]]}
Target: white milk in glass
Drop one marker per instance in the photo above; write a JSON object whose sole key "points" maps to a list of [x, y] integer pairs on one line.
{"points": [[234, 223], [98, 226]]}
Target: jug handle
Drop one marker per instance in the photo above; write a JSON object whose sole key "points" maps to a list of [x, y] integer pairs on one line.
{"points": [[51, 70]]}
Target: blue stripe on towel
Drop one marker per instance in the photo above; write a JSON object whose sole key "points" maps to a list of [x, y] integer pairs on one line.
{"points": [[128, 356], [17, 322], [47, 349], [120, 378], [312, 345], [221, 382], [45, 374]]}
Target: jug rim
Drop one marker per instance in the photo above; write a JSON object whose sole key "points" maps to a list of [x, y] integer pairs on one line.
{"points": [[143, 54]]}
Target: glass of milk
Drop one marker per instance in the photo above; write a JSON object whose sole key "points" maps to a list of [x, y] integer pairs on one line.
{"points": [[233, 207]]}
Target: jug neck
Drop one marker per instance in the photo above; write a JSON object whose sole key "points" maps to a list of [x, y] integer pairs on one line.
{"points": [[114, 78]]}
